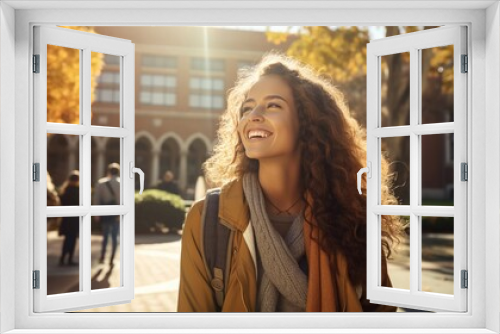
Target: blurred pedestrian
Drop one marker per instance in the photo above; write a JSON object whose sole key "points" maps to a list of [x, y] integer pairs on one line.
{"points": [[107, 192], [168, 183], [52, 200], [70, 226]]}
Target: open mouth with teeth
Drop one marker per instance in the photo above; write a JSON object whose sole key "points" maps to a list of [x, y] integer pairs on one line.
{"points": [[258, 134]]}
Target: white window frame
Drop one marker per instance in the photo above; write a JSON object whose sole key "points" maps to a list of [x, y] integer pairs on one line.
{"points": [[483, 21], [414, 43], [86, 43]]}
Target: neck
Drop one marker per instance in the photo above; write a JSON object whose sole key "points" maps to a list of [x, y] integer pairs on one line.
{"points": [[280, 183]]}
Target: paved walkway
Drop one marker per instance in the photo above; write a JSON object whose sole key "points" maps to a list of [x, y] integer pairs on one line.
{"points": [[157, 261]]}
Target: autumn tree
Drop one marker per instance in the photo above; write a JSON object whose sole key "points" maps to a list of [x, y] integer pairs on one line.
{"points": [[63, 81], [339, 53]]}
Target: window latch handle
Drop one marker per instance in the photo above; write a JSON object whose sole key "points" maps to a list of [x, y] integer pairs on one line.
{"points": [[133, 170], [368, 171]]}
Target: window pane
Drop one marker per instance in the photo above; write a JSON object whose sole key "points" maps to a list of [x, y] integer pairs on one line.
{"points": [[63, 160], [105, 177], [158, 80], [111, 60], [206, 101], [106, 77], [63, 85], [105, 255], [395, 89], [437, 169], [107, 95], [145, 97], [398, 264], [116, 96], [206, 84], [194, 101], [171, 81], [437, 84], [63, 255], [157, 98], [171, 99], [159, 61], [437, 254], [194, 83], [218, 84], [397, 152], [146, 80]]}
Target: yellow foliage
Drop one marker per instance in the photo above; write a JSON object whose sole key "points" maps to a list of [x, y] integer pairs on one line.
{"points": [[340, 54], [63, 81]]}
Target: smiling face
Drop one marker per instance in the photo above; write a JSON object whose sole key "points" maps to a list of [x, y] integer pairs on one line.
{"points": [[269, 125]]}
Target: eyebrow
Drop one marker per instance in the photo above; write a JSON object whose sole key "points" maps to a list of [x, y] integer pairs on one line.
{"points": [[269, 97]]}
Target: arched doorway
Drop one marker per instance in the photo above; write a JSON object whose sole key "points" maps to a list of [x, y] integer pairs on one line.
{"points": [[170, 157], [197, 154], [143, 158]]}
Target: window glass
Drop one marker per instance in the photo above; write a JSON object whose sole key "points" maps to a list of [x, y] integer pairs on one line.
{"points": [[107, 93], [437, 84], [158, 89], [397, 152], [395, 89], [63, 255], [63, 91], [105, 255]]}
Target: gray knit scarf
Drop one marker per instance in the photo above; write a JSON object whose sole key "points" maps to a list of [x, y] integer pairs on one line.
{"points": [[282, 274]]}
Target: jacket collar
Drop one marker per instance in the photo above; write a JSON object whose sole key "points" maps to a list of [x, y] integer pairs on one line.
{"points": [[233, 208]]}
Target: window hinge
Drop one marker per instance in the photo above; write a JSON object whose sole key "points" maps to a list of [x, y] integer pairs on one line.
{"points": [[465, 64], [36, 63], [465, 172], [465, 279], [36, 279], [36, 172]]}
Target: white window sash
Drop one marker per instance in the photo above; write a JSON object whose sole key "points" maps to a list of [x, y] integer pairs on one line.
{"points": [[415, 297], [87, 43]]}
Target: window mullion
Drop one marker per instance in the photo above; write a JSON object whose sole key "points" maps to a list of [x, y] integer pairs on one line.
{"points": [[414, 171], [85, 173]]}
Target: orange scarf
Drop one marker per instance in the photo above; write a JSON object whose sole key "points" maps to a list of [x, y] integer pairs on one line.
{"points": [[329, 288]]}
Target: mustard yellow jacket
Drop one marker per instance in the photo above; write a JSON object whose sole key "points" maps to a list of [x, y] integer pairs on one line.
{"points": [[195, 291]]}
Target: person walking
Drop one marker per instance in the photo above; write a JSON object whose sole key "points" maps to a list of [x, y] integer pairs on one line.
{"points": [[70, 226], [107, 192], [168, 183]]}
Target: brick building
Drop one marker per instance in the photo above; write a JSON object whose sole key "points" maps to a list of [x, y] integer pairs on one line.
{"points": [[182, 75]]}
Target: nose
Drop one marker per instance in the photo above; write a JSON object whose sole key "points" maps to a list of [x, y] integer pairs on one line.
{"points": [[256, 115]]}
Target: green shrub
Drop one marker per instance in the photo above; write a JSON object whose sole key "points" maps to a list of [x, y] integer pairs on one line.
{"points": [[156, 208]]}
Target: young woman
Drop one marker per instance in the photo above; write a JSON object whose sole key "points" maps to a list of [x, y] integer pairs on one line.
{"points": [[286, 160]]}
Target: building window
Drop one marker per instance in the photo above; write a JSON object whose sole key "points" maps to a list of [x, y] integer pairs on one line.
{"points": [[159, 61], [158, 89], [111, 60], [108, 87], [210, 65], [206, 93]]}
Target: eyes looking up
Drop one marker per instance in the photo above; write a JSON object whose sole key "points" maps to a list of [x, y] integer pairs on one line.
{"points": [[245, 109]]}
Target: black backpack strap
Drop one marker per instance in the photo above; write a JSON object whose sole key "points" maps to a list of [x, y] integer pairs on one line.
{"points": [[217, 239]]}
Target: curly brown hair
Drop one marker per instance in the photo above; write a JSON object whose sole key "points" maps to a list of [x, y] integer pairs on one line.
{"points": [[333, 149]]}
